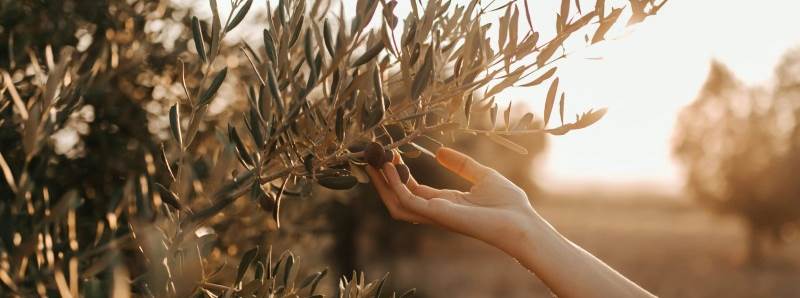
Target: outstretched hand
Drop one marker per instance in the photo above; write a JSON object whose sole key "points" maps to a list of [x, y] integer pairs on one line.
{"points": [[499, 213], [494, 210]]}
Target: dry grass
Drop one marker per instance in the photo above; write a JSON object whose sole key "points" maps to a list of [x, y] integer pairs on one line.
{"points": [[672, 248]]}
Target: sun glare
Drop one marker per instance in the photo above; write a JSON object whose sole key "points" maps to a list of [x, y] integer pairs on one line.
{"points": [[646, 75]]}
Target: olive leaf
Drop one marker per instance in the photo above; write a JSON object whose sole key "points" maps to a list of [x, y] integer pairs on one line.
{"points": [[503, 29], [287, 268], [169, 197], [549, 73], [550, 49], [377, 84], [605, 24], [245, 262], [550, 100], [308, 48], [239, 16], [589, 118], [164, 160], [338, 182], [370, 53], [468, 109], [198, 39], [423, 76], [380, 285], [340, 124], [507, 143], [511, 47], [316, 281], [208, 95], [563, 15], [269, 46], [254, 126], [175, 124], [296, 32], [272, 83], [215, 31], [326, 35], [528, 15], [312, 280], [308, 163], [241, 149]]}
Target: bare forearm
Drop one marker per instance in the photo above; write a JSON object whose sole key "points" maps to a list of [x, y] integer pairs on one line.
{"points": [[499, 213], [566, 268]]}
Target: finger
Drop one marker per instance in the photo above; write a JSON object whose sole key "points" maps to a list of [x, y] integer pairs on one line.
{"points": [[404, 196], [398, 159], [390, 200], [427, 192], [463, 165], [443, 212], [410, 200], [377, 179], [424, 191]]}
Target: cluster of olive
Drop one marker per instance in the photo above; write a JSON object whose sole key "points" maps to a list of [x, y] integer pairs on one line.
{"points": [[376, 156]]}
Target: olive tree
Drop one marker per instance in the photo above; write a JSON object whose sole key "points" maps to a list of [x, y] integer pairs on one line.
{"points": [[157, 211], [739, 146]]}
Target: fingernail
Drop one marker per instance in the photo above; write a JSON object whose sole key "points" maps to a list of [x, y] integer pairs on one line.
{"points": [[441, 154]]}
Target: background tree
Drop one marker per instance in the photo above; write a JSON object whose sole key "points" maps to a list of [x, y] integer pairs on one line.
{"points": [[131, 130], [739, 146]]}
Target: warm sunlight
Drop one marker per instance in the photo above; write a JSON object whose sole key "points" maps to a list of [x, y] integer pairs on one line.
{"points": [[646, 76], [399, 148]]}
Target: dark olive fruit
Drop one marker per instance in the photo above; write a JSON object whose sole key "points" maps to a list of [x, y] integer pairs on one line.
{"points": [[403, 172], [388, 156], [374, 154]]}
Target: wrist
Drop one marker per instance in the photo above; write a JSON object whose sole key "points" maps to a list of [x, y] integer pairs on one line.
{"points": [[534, 237]]}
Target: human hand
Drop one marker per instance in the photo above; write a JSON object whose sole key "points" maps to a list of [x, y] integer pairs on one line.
{"points": [[494, 210], [499, 213]]}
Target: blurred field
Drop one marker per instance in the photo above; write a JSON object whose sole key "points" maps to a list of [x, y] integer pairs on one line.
{"points": [[670, 247]]}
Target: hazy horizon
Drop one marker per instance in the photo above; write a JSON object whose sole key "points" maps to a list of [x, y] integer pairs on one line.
{"points": [[636, 78]]}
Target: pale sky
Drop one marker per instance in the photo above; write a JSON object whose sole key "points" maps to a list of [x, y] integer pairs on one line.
{"points": [[646, 74]]}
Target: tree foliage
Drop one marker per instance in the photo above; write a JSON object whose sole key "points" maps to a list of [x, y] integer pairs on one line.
{"points": [[129, 136], [740, 147]]}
